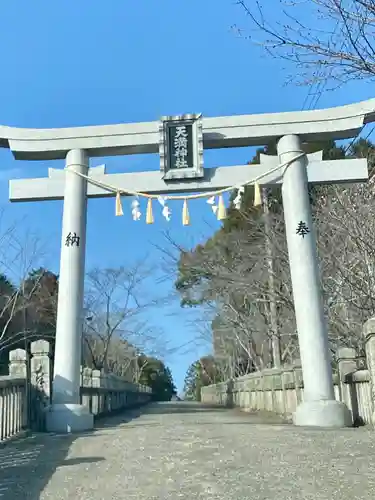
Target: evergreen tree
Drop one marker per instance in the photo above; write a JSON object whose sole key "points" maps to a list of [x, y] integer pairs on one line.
{"points": [[27, 312], [205, 371], [191, 382], [40, 291], [157, 376]]}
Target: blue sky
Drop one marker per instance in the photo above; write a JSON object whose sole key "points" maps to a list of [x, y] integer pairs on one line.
{"points": [[69, 63]]}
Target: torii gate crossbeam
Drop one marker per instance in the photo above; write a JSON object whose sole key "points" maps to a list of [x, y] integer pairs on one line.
{"points": [[52, 187]]}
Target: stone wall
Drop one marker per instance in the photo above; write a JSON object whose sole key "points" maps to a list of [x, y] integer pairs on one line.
{"points": [[281, 390], [27, 391], [104, 393]]}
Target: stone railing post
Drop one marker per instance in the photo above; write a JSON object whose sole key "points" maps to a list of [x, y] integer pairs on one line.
{"points": [[104, 397], [86, 399], [288, 384], [96, 399], [346, 363], [87, 377], [298, 380], [125, 396], [229, 402], [18, 368], [369, 334], [17, 363], [40, 382]]}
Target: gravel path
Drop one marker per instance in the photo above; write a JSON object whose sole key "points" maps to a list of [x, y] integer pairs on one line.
{"points": [[179, 450]]}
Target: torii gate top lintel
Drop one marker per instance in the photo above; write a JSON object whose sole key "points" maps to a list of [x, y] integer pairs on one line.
{"points": [[342, 122]]}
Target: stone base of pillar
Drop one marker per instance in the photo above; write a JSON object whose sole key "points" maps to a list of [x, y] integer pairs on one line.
{"points": [[68, 418], [332, 414]]}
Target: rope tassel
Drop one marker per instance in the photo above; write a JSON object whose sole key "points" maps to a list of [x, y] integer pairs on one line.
{"points": [[129, 192], [257, 195], [221, 211], [185, 214], [149, 214], [119, 210]]}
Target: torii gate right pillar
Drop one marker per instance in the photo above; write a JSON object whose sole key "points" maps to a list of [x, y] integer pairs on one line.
{"points": [[319, 407]]}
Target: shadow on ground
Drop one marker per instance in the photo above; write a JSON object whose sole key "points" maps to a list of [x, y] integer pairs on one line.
{"points": [[27, 464]]}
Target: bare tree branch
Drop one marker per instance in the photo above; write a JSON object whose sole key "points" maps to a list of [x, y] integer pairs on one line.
{"points": [[116, 327], [324, 39]]}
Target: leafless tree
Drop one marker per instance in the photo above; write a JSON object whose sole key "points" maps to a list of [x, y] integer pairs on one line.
{"points": [[222, 276], [116, 327], [344, 221], [346, 229], [325, 39], [234, 278], [20, 252]]}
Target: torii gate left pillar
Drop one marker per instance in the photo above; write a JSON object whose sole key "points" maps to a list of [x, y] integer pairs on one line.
{"points": [[66, 413]]}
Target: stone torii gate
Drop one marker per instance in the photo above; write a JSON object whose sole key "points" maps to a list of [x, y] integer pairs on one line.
{"points": [[77, 145]]}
